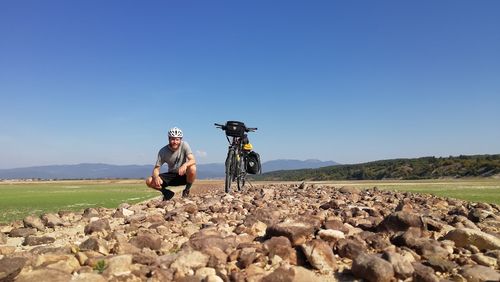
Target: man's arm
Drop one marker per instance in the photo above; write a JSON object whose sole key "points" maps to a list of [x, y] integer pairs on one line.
{"points": [[156, 176], [190, 161]]}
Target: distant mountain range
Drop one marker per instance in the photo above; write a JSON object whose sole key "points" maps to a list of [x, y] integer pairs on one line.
{"points": [[98, 171]]}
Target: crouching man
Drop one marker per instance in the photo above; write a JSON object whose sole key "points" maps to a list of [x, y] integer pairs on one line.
{"points": [[181, 166]]}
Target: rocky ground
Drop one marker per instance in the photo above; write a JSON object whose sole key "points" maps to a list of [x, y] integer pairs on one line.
{"points": [[271, 232]]}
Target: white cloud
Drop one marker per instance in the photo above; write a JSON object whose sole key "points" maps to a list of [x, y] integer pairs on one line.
{"points": [[201, 154]]}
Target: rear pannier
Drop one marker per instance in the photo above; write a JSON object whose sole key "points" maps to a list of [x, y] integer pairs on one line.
{"points": [[253, 163], [235, 128]]}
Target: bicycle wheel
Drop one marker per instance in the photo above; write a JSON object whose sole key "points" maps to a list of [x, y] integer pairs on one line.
{"points": [[241, 174], [229, 171]]}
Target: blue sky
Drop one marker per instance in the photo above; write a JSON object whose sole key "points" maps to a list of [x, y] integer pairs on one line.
{"points": [[349, 81]]}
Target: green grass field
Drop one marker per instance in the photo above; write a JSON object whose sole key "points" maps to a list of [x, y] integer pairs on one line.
{"points": [[18, 200], [475, 190]]}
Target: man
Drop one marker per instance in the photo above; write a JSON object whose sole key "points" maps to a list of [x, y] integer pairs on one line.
{"points": [[181, 166]]}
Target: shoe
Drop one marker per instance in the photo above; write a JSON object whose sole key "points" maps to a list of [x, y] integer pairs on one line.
{"points": [[167, 194], [185, 193]]}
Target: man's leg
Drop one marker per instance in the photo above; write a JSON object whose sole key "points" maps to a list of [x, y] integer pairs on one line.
{"points": [[191, 177], [167, 194], [150, 183]]}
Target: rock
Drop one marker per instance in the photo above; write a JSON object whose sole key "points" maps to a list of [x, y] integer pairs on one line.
{"points": [[22, 232], [188, 261], [146, 257], [281, 246], [44, 274], [118, 266], [331, 235], [52, 220], [204, 272], [136, 218], [464, 236], [400, 221], [258, 228], [3, 238], [33, 222], [270, 232], [479, 273], [320, 255], [7, 250], [247, 256], [296, 231], [372, 268], [402, 265], [11, 267], [336, 224], [424, 273], [126, 212], [35, 241], [440, 264], [200, 241], [146, 240], [267, 215], [94, 244], [65, 263], [350, 248], [349, 190], [88, 277], [478, 214], [484, 260], [90, 212], [292, 274], [100, 225], [213, 278]]}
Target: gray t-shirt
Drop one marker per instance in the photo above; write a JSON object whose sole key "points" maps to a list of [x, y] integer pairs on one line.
{"points": [[174, 159]]}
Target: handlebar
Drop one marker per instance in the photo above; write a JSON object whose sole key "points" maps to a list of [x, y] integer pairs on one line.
{"points": [[223, 127]]}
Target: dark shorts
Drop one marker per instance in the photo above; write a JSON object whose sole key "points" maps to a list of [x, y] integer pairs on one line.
{"points": [[173, 179]]}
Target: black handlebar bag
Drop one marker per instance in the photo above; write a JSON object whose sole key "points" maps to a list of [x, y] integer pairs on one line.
{"points": [[235, 128]]}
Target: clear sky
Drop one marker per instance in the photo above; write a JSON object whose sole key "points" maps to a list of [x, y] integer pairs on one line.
{"points": [[348, 81]]}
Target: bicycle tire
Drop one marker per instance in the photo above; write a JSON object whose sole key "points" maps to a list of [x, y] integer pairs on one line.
{"points": [[229, 171], [241, 174]]}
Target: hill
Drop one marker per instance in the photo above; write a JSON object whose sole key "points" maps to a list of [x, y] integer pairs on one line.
{"points": [[107, 171], [287, 164], [410, 169]]}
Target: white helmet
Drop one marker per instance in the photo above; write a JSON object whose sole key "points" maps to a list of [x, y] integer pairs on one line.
{"points": [[175, 132]]}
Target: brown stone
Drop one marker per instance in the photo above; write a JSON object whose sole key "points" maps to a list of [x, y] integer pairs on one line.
{"points": [[320, 255], [479, 273], [10, 268], [372, 268], [296, 231], [400, 221], [34, 241], [151, 241], [32, 221], [22, 232], [99, 225], [43, 274]]}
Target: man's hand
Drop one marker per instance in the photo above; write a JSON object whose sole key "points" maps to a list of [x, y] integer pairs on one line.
{"points": [[182, 169], [157, 181]]}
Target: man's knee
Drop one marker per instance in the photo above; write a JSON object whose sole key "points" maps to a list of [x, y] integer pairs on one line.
{"points": [[191, 173], [191, 170], [149, 180], [150, 184]]}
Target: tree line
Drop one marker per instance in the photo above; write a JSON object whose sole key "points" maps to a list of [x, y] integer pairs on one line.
{"points": [[403, 169]]}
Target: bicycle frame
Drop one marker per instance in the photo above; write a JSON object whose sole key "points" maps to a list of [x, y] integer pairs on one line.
{"points": [[235, 164]]}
